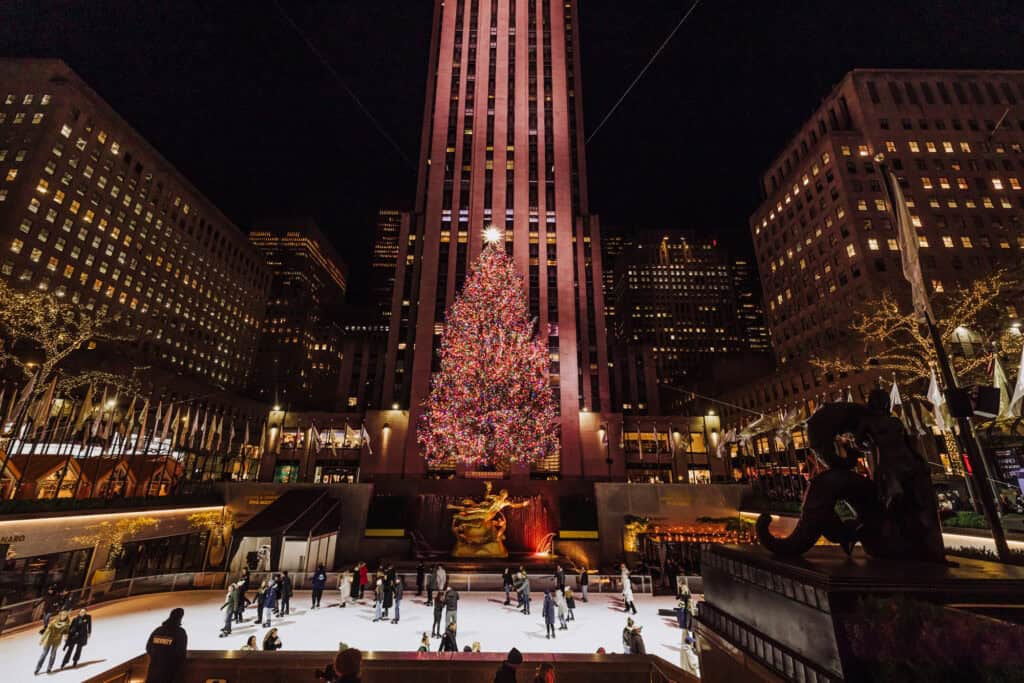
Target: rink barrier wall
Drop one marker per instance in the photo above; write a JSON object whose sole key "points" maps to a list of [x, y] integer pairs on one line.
{"points": [[235, 666], [21, 614]]}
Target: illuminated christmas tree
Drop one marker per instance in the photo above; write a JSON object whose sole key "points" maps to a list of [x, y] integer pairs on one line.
{"points": [[490, 403]]}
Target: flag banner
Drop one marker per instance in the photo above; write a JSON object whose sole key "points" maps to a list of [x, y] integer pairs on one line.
{"points": [[1000, 382], [365, 437], [937, 400], [907, 239], [1017, 399]]}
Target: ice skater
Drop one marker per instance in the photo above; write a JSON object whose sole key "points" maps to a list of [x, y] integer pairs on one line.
{"points": [[570, 603], [53, 635], [523, 589], [431, 585], [548, 610], [563, 610], [318, 583], [438, 612], [507, 583], [584, 582], [399, 588], [286, 593], [78, 635], [269, 601], [627, 596], [231, 605], [344, 587], [378, 600]]}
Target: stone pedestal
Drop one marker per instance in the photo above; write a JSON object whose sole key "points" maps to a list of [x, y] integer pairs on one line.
{"points": [[766, 618]]}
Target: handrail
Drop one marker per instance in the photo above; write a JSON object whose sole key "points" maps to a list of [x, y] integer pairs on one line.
{"points": [[26, 612]]}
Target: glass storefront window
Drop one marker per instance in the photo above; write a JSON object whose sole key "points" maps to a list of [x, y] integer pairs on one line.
{"points": [[286, 471], [26, 578]]}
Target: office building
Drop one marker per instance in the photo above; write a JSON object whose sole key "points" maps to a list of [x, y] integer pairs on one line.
{"points": [[503, 145], [387, 227], [299, 357], [823, 236], [90, 211]]}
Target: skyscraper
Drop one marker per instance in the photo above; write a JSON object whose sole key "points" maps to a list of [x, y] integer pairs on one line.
{"points": [[91, 211], [299, 357], [823, 236], [503, 145], [387, 227]]}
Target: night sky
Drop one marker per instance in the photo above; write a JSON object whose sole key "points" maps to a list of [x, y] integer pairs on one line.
{"points": [[232, 96]]}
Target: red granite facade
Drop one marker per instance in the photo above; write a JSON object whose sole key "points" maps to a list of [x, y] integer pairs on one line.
{"points": [[503, 145]]}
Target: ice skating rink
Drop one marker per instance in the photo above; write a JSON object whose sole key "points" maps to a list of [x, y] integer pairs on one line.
{"points": [[120, 629]]}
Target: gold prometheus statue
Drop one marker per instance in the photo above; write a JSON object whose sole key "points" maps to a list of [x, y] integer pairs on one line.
{"points": [[479, 525]]}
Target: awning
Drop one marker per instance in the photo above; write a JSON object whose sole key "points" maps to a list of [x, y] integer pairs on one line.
{"points": [[298, 513]]}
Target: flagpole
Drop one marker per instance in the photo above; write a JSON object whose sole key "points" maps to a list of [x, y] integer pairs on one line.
{"points": [[980, 471]]}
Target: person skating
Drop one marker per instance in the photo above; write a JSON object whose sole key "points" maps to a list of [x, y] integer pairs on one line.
{"points": [[389, 594], [451, 605], [269, 600], [345, 587], [627, 596], [378, 600], [318, 583], [559, 577], [448, 642], [399, 588], [563, 610], [364, 579], [548, 611], [507, 672], [441, 578], [438, 613], [627, 637], [636, 643], [420, 574], [231, 605], [78, 635], [51, 605], [570, 603], [507, 583], [286, 593], [166, 648], [271, 641], [53, 635], [354, 591], [260, 595], [431, 585], [584, 582]]}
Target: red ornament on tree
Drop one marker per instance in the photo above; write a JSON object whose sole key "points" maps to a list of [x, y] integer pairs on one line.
{"points": [[491, 402]]}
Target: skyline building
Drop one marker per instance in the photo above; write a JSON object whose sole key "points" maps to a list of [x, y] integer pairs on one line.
{"points": [[682, 304], [387, 226], [823, 236], [92, 212], [299, 357], [502, 145]]}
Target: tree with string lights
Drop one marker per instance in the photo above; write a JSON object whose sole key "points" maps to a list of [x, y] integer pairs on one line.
{"points": [[491, 402], [895, 342]]}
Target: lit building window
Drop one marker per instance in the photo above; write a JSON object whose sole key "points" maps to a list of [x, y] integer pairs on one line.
{"points": [[873, 244], [947, 241]]}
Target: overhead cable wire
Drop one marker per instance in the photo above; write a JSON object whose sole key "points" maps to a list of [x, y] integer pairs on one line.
{"points": [[337, 77], [640, 75]]}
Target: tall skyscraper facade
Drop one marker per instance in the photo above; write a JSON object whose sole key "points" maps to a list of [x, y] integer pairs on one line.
{"points": [[299, 358], [823, 236], [681, 304], [502, 145], [91, 211], [387, 227]]}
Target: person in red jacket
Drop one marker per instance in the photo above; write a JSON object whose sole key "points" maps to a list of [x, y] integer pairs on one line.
{"points": [[364, 578]]}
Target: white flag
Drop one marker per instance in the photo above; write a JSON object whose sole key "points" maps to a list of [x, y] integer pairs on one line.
{"points": [[1018, 391], [1000, 382], [894, 395], [937, 400], [908, 242], [365, 436]]}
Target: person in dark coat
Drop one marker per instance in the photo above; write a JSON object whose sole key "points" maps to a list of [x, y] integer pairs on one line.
{"points": [[548, 610], [507, 583], [420, 574], [451, 604], [166, 648], [438, 611], [507, 672], [355, 590], [584, 582], [559, 578], [271, 641], [231, 605], [448, 642], [286, 593], [78, 636], [636, 642], [397, 592], [523, 589], [51, 605], [431, 586], [260, 595], [318, 583], [269, 600], [389, 595]]}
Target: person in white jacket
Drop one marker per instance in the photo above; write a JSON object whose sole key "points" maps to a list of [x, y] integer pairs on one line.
{"points": [[442, 578], [627, 596], [563, 610], [345, 587], [688, 659]]}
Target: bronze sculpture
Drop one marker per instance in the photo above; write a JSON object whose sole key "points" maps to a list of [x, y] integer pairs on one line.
{"points": [[479, 526], [895, 510]]}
